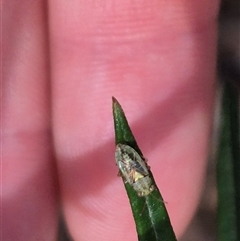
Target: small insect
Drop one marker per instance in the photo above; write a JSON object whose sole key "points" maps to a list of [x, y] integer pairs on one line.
{"points": [[134, 169]]}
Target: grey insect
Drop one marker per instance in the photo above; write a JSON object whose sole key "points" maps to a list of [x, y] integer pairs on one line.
{"points": [[134, 169]]}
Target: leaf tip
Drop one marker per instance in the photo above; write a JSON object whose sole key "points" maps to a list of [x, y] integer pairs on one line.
{"points": [[116, 106], [114, 101]]}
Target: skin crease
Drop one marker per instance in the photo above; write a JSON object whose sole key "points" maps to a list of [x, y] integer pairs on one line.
{"points": [[156, 57]]}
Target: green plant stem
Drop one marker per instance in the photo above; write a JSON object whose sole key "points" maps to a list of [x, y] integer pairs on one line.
{"points": [[228, 167]]}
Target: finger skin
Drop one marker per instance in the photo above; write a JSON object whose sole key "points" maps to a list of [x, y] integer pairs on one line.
{"points": [[28, 194], [158, 59]]}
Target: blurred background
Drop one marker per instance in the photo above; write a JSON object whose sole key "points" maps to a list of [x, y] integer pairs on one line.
{"points": [[204, 225]]}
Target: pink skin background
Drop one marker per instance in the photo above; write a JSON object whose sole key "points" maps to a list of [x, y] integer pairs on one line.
{"points": [[62, 63]]}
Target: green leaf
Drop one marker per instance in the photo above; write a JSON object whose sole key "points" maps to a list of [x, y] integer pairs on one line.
{"points": [[149, 212], [228, 167]]}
